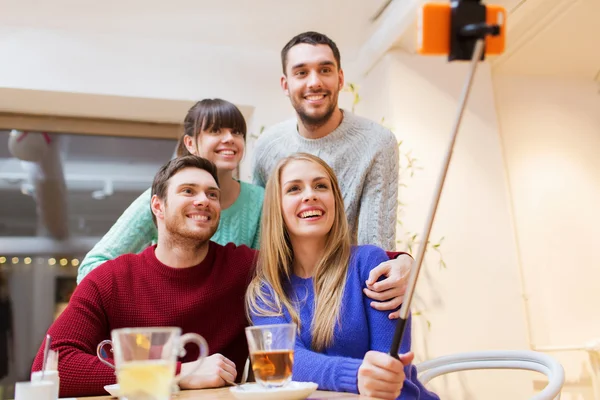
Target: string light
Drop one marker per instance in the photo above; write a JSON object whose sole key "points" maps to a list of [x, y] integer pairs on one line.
{"points": [[51, 261]]}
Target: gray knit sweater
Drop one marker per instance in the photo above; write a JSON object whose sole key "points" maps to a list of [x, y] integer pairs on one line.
{"points": [[364, 156]]}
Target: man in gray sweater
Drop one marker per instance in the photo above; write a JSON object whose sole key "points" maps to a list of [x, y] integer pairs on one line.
{"points": [[363, 154]]}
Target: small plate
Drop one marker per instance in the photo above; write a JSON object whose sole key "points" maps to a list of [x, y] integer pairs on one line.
{"points": [[113, 390], [291, 391]]}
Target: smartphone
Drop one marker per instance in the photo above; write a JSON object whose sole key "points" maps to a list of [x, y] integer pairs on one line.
{"points": [[434, 29]]}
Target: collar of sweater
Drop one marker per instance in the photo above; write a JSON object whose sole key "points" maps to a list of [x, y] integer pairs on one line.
{"points": [[348, 121], [149, 258]]}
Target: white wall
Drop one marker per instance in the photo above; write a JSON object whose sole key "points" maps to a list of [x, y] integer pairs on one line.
{"points": [[77, 69], [551, 139], [473, 304], [126, 66]]}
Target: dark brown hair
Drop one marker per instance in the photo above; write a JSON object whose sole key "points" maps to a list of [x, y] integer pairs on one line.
{"points": [[161, 179], [313, 38], [210, 114]]}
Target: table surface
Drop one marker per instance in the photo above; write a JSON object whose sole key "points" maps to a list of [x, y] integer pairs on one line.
{"points": [[225, 394]]}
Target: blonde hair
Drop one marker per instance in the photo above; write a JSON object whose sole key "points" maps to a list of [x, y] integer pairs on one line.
{"points": [[274, 267]]}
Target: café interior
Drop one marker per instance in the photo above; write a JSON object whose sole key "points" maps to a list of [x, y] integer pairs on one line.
{"points": [[92, 98]]}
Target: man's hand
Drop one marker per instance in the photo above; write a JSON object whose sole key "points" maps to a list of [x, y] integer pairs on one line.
{"points": [[389, 293], [381, 375], [209, 372]]}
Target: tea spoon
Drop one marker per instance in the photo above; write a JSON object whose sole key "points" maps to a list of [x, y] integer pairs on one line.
{"points": [[238, 385], [244, 375]]}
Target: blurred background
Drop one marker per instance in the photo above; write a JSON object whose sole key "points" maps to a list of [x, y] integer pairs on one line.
{"points": [[96, 91]]}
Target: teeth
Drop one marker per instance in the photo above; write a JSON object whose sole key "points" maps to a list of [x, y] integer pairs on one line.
{"points": [[227, 152], [315, 97], [197, 217], [311, 213]]}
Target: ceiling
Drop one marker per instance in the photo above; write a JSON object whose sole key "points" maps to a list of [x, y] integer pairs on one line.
{"points": [[228, 23], [553, 38], [537, 40], [544, 37]]}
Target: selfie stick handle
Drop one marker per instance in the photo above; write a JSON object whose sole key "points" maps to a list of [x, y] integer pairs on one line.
{"points": [[416, 268]]}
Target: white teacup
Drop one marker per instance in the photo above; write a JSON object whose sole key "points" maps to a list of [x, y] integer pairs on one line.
{"points": [[47, 376], [40, 390]]}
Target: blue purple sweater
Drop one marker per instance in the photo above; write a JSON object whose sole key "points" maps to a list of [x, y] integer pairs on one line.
{"points": [[361, 329]]}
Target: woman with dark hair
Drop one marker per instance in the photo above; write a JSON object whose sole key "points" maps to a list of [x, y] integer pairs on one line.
{"points": [[214, 129]]}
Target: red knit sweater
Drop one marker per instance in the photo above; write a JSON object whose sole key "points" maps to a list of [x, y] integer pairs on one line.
{"points": [[140, 291]]}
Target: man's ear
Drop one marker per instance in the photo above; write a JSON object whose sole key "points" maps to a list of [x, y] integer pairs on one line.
{"points": [[284, 85], [157, 207], [341, 78]]}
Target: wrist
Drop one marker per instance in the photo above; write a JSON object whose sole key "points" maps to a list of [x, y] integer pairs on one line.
{"points": [[189, 375], [392, 255]]}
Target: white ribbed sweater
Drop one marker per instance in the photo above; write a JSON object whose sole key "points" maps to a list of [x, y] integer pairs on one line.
{"points": [[364, 156]]}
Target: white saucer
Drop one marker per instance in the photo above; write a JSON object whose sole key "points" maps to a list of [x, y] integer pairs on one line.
{"points": [[291, 391], [113, 390]]}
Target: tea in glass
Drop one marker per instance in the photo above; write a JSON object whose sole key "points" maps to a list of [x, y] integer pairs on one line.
{"points": [[272, 353], [274, 367]]}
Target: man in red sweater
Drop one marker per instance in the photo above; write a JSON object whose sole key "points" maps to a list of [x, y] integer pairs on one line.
{"points": [[185, 280]]}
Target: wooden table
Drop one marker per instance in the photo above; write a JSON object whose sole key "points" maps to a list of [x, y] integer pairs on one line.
{"points": [[225, 394]]}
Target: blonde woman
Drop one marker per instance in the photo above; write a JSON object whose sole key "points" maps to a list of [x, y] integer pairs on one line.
{"points": [[308, 273]]}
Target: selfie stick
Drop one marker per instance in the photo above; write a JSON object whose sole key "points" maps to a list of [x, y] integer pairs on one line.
{"points": [[472, 39]]}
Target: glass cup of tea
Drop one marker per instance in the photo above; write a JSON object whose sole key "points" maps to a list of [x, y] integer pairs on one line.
{"points": [[145, 360], [272, 353]]}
